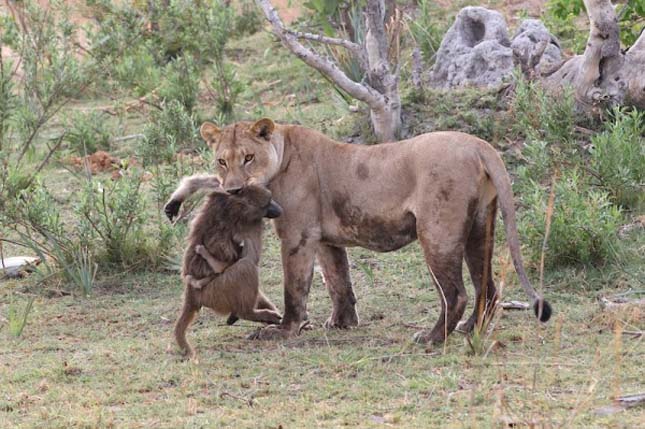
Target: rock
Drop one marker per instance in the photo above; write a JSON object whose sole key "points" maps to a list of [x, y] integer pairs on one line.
{"points": [[17, 265], [476, 51], [534, 47]]}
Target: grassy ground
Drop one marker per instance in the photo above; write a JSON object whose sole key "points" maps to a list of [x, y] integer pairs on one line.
{"points": [[109, 360]]}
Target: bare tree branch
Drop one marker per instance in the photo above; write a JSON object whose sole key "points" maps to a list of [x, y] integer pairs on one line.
{"points": [[355, 47], [360, 91]]}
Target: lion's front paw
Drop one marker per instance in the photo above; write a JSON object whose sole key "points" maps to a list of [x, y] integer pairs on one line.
{"points": [[172, 208], [272, 332], [345, 319]]}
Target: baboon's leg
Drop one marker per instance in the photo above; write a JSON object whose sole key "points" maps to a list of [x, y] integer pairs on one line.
{"points": [[263, 315], [232, 318], [197, 283], [188, 313], [335, 267], [187, 187], [479, 254], [265, 303], [216, 265]]}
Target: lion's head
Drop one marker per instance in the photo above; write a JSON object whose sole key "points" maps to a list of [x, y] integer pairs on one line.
{"points": [[245, 152]]}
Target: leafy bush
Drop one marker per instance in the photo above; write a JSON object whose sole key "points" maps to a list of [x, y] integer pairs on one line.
{"points": [[180, 83], [618, 156], [87, 133], [137, 70], [114, 213], [248, 20], [426, 29], [169, 130], [540, 115], [583, 226]]}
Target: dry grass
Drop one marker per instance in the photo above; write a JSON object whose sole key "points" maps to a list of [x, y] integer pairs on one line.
{"points": [[110, 362]]}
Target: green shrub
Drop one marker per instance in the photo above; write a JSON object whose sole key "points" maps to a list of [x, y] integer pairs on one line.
{"points": [[583, 226], [169, 130], [180, 83], [618, 156], [248, 20], [539, 115], [427, 30], [138, 71], [114, 215], [87, 133]]}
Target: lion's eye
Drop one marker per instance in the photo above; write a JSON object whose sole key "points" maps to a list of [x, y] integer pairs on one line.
{"points": [[222, 162], [248, 158]]}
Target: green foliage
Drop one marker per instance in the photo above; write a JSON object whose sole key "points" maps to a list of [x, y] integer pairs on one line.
{"points": [[618, 156], [226, 88], [87, 132], [170, 129], [583, 226], [181, 83], [561, 17], [18, 317], [427, 30], [114, 214], [138, 71], [539, 115], [248, 20]]}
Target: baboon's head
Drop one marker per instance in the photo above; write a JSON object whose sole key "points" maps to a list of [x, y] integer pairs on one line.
{"points": [[245, 152], [253, 202]]}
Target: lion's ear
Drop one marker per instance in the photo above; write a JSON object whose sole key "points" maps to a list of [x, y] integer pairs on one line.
{"points": [[263, 128], [209, 132]]}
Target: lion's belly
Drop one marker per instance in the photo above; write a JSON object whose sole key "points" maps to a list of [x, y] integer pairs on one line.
{"points": [[353, 227]]}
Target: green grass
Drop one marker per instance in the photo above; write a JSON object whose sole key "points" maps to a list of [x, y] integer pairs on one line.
{"points": [[110, 361]]}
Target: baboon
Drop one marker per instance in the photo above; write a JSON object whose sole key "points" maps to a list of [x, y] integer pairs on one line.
{"points": [[220, 264]]}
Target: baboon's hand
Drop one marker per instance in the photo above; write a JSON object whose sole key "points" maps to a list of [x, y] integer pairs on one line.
{"points": [[172, 208], [199, 249]]}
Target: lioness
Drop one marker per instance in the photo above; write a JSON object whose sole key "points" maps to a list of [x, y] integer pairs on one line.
{"points": [[441, 188]]}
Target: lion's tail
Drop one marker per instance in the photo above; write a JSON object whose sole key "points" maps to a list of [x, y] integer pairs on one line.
{"points": [[498, 174]]}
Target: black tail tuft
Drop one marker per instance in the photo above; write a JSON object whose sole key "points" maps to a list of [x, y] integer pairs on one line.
{"points": [[546, 310], [233, 318]]}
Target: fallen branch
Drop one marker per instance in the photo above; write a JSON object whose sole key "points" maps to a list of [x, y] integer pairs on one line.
{"points": [[607, 304], [515, 305], [248, 401]]}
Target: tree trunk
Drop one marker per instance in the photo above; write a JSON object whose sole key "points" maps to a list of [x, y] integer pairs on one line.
{"points": [[386, 119], [603, 75], [380, 92]]}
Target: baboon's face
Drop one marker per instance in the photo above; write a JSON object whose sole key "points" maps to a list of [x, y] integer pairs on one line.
{"points": [[243, 153], [255, 202]]}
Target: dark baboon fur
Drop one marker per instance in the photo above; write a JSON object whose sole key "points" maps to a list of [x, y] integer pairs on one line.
{"points": [[228, 228]]}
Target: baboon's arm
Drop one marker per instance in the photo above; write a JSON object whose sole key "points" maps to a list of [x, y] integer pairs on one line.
{"points": [[216, 265], [188, 186], [251, 250]]}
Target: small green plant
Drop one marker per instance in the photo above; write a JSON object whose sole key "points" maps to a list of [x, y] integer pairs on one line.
{"points": [[583, 226], [18, 318], [248, 19], [618, 156], [426, 29], [540, 115], [172, 128], [86, 133], [180, 83], [114, 214]]}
